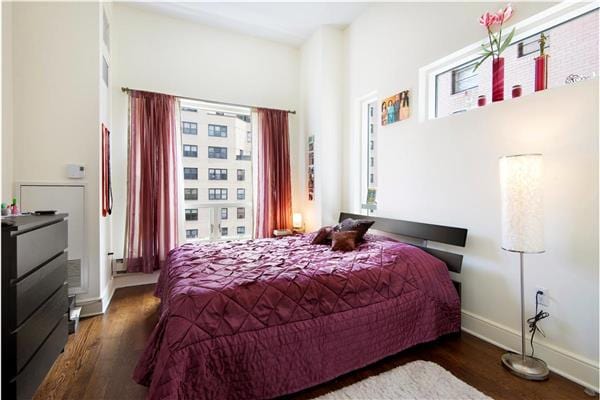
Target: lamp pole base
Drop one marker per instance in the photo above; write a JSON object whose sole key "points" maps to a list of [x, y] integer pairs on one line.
{"points": [[530, 368]]}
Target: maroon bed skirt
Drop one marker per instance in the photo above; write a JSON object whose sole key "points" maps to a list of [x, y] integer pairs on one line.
{"points": [[230, 332]]}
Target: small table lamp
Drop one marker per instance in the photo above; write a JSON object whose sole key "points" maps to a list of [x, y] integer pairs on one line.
{"points": [[297, 221], [522, 232]]}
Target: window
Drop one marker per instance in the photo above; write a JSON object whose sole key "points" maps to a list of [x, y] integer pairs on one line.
{"points": [[211, 170], [190, 150], [217, 130], [190, 128], [217, 152], [368, 156], [191, 214], [241, 174], [571, 43], [191, 233], [190, 194], [242, 156], [217, 194], [217, 174], [241, 230], [241, 194], [190, 173], [241, 212], [464, 78], [531, 46]]}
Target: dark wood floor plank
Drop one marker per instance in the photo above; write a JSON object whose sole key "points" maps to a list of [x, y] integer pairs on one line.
{"points": [[99, 360]]}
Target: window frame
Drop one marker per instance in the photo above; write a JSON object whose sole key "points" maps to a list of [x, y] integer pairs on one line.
{"points": [[211, 133], [188, 236], [192, 190], [224, 213], [540, 22], [241, 230], [190, 168], [241, 191], [214, 194], [188, 130], [193, 214], [243, 175], [214, 151], [193, 149], [213, 176], [455, 71], [243, 212]]}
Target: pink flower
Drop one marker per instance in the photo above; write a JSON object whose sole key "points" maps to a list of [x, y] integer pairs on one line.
{"points": [[504, 15], [488, 19]]}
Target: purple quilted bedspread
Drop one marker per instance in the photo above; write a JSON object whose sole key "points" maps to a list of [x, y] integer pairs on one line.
{"points": [[261, 318]]}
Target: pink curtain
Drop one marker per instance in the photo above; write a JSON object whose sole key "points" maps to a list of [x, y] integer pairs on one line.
{"points": [[274, 187], [152, 192]]}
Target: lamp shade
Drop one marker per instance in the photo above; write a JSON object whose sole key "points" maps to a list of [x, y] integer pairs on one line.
{"points": [[522, 203], [297, 220]]}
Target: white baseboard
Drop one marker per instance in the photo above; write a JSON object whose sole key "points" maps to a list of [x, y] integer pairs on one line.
{"points": [[563, 362], [99, 305]]}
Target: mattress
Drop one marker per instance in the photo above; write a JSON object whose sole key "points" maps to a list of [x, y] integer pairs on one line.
{"points": [[262, 318]]}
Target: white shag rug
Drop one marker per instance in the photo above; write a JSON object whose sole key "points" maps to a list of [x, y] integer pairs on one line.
{"points": [[418, 380]]}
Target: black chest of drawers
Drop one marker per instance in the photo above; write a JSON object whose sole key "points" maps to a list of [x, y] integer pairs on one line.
{"points": [[34, 300]]}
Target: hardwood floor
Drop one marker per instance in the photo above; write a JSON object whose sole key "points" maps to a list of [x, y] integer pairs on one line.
{"points": [[98, 361]]}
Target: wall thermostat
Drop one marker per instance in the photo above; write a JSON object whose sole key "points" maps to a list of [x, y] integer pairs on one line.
{"points": [[75, 171]]}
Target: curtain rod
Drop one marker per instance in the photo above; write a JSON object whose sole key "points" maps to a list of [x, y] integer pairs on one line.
{"points": [[127, 90]]}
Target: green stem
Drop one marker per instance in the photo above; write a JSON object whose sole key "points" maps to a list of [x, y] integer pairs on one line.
{"points": [[491, 44], [499, 40]]}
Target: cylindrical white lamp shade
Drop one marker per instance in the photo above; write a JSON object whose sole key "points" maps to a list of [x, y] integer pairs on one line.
{"points": [[522, 203], [297, 220]]}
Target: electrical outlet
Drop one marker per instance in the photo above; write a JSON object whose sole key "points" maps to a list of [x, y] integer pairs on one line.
{"points": [[542, 298]]}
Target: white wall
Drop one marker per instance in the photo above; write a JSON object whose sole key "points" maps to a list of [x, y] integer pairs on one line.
{"points": [[321, 95], [7, 104], [56, 104], [445, 171], [159, 53]]}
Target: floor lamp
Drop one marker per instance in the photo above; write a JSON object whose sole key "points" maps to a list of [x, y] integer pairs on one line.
{"points": [[522, 232]]}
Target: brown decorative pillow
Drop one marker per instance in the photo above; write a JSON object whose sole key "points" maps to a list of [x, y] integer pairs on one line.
{"points": [[344, 241], [323, 236], [361, 226]]}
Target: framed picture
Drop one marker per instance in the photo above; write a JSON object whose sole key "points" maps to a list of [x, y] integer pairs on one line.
{"points": [[395, 108]]}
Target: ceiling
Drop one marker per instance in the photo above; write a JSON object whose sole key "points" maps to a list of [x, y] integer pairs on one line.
{"points": [[290, 23]]}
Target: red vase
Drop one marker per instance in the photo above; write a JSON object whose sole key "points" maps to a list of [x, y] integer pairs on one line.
{"points": [[498, 79], [541, 73]]}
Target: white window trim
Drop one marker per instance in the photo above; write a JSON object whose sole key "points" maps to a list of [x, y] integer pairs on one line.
{"points": [[544, 20]]}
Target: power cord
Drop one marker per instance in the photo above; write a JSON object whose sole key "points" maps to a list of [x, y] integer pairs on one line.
{"points": [[533, 321]]}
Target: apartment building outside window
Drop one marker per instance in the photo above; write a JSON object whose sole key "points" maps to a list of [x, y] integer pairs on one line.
{"points": [[217, 194], [225, 148], [189, 128], [217, 130], [190, 173], [190, 150], [190, 194], [241, 194], [191, 214], [217, 174], [217, 152]]}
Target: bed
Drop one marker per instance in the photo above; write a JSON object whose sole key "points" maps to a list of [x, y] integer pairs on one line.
{"points": [[262, 318]]}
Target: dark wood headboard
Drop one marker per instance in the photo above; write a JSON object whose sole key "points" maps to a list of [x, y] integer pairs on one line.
{"points": [[426, 232]]}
